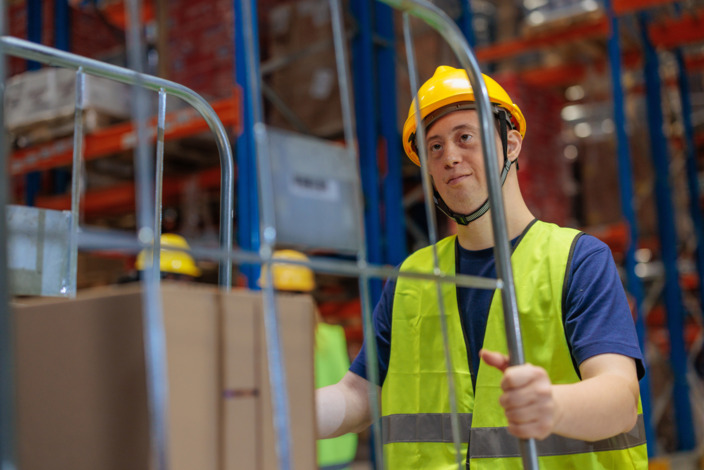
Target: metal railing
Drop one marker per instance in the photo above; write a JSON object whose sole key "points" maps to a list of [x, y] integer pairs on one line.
{"points": [[85, 66]]}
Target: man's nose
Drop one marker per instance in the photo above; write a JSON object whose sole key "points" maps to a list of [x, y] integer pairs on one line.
{"points": [[452, 156]]}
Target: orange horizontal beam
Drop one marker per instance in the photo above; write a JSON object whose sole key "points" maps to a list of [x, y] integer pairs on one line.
{"points": [[559, 75], [694, 62], [621, 7], [115, 12], [118, 138], [120, 198], [341, 310], [617, 237], [671, 33], [566, 74], [595, 28], [668, 33]]}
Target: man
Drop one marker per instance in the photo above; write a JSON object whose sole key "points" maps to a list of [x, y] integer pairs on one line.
{"points": [[578, 392]]}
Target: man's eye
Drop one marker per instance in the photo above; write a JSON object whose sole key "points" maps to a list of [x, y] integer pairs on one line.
{"points": [[466, 137], [434, 147]]}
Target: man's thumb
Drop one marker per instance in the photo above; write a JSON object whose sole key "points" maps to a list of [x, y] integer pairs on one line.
{"points": [[494, 359]]}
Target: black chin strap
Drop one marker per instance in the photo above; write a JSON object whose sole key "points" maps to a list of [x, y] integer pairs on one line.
{"points": [[464, 219]]}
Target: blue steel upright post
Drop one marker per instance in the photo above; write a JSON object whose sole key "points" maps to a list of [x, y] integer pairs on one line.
{"points": [[62, 41], [395, 249], [465, 22], [625, 176], [247, 186], [668, 242], [692, 171], [366, 112], [35, 21], [62, 25]]}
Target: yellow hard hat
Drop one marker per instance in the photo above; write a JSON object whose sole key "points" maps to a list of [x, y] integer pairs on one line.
{"points": [[290, 277], [170, 261], [448, 86]]}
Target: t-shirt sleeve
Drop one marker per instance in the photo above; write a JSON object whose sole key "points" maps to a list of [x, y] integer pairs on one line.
{"points": [[598, 319], [381, 321]]}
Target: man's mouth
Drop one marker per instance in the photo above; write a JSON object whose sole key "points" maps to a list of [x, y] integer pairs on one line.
{"points": [[456, 179]]}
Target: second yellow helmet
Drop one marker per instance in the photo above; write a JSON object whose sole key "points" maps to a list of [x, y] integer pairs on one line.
{"points": [[290, 277]]}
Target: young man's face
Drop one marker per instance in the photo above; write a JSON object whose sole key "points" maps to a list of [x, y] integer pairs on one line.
{"points": [[456, 162]]}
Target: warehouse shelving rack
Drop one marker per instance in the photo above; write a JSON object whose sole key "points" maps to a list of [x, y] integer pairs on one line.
{"points": [[670, 33]]}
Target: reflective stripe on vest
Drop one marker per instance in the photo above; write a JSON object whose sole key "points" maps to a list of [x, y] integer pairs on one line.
{"points": [[496, 442], [422, 427]]}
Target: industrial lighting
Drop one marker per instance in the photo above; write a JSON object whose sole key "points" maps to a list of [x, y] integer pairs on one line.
{"points": [[590, 5], [571, 152], [572, 112], [643, 255], [536, 18], [641, 270], [583, 130], [534, 4], [607, 126], [574, 93]]}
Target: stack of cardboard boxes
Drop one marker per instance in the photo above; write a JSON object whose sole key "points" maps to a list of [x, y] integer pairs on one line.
{"points": [[81, 391], [201, 46]]}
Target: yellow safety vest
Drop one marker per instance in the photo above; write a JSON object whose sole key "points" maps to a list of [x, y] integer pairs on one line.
{"points": [[416, 415]]}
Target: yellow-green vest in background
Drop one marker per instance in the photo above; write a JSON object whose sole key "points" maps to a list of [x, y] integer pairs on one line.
{"points": [[331, 363], [416, 415]]}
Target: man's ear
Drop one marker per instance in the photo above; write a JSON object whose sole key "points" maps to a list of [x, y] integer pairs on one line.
{"points": [[514, 143]]}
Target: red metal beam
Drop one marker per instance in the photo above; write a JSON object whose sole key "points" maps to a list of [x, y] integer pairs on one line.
{"points": [[118, 138], [622, 7], [115, 13], [566, 74], [694, 62], [120, 198], [595, 28], [671, 33]]}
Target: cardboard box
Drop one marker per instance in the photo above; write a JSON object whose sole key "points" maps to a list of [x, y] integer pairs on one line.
{"points": [[304, 28], [82, 388], [201, 46], [48, 96]]}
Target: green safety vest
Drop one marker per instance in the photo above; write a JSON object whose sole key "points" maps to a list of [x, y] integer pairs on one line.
{"points": [[331, 363], [416, 415]]}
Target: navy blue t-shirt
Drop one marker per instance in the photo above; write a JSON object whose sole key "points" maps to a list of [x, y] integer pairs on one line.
{"points": [[598, 319]]}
